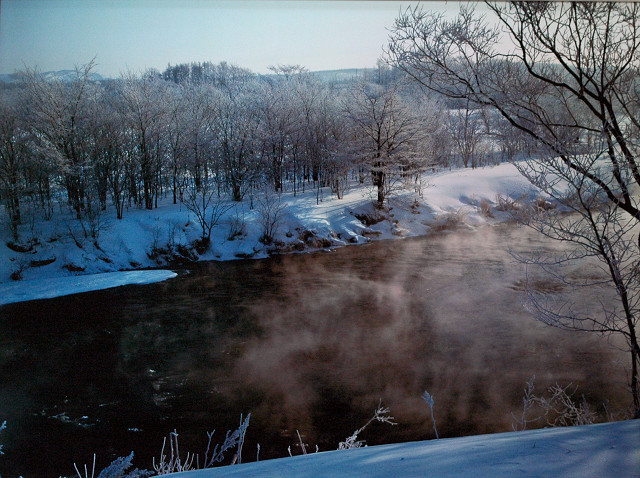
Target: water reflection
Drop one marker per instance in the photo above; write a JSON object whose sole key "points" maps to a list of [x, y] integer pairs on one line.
{"points": [[304, 342]]}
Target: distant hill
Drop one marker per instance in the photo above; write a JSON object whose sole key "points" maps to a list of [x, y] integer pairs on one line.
{"points": [[328, 76], [336, 77], [60, 75], [69, 75], [339, 76], [9, 78]]}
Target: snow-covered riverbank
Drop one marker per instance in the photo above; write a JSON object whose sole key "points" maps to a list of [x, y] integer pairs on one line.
{"points": [[605, 450], [48, 288], [144, 239]]}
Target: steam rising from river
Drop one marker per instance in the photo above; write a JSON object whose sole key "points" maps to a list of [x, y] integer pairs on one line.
{"points": [[442, 315], [305, 342]]}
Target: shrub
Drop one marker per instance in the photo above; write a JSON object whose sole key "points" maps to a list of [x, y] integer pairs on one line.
{"points": [[381, 414], [2, 427], [236, 225], [506, 204], [450, 220], [429, 399], [369, 219], [485, 207], [270, 208], [173, 463], [117, 469], [559, 409]]}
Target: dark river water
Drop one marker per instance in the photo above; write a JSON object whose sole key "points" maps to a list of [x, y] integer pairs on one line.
{"points": [[307, 342]]}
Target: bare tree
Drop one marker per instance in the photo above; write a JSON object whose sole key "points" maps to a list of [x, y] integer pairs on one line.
{"points": [[325, 160], [270, 209], [388, 135], [569, 82], [176, 142], [433, 144], [143, 112], [198, 103], [12, 157], [205, 204], [597, 228], [279, 124], [465, 127], [236, 126], [57, 118], [112, 150]]}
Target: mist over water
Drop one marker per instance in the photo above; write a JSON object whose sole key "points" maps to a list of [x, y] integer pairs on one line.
{"points": [[306, 342]]}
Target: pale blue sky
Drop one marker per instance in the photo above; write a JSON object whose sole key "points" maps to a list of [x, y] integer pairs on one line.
{"points": [[140, 34]]}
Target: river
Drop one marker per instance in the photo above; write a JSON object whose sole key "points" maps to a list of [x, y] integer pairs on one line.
{"points": [[307, 342]]}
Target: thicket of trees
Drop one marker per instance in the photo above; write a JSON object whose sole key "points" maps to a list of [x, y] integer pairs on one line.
{"points": [[199, 131]]}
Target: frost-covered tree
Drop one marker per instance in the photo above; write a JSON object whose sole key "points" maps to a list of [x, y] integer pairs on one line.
{"points": [[199, 107], [236, 130], [388, 135], [465, 126], [279, 125], [112, 151], [143, 111], [176, 143], [205, 203], [13, 155], [328, 144], [58, 119]]}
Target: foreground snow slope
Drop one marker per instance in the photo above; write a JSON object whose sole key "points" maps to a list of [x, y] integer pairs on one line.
{"points": [[604, 450]]}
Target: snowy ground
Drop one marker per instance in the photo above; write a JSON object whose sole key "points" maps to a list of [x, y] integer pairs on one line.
{"points": [[47, 288], [605, 450], [57, 249]]}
